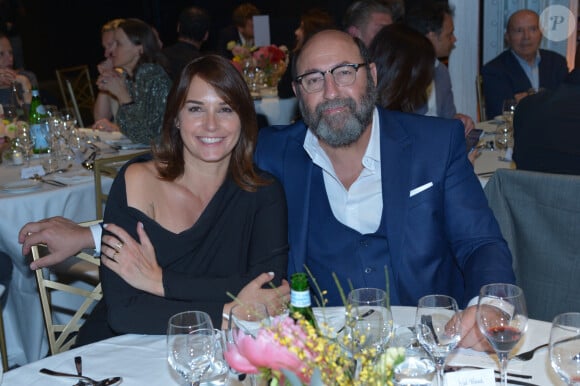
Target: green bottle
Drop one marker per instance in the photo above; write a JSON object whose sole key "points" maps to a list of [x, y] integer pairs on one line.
{"points": [[38, 124], [300, 297]]}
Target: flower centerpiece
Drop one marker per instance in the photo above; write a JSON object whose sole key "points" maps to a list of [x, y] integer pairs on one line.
{"points": [[292, 352], [269, 62]]}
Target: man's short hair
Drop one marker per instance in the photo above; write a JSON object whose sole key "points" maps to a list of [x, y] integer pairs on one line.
{"points": [[359, 13], [243, 13], [193, 23], [428, 18]]}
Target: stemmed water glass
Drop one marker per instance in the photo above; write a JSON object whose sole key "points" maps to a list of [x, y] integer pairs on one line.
{"points": [[247, 319], [369, 321], [438, 327], [191, 345], [25, 140], [508, 110], [565, 347], [502, 318]]}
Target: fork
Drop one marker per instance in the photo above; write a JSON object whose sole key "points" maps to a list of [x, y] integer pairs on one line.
{"points": [[526, 356]]}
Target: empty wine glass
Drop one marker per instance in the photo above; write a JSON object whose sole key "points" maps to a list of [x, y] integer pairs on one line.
{"points": [[246, 319], [369, 321], [565, 347], [502, 318], [191, 345], [25, 140], [438, 327], [508, 110]]}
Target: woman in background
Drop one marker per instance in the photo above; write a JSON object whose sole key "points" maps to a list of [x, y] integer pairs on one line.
{"points": [[22, 80]]}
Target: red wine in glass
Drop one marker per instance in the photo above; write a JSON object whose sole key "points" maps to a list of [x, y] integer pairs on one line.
{"points": [[503, 338]]}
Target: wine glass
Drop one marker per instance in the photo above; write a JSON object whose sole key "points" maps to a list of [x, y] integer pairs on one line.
{"points": [[565, 347], [247, 319], [508, 109], [417, 368], [369, 321], [191, 345], [438, 327], [503, 319], [25, 140], [504, 141]]}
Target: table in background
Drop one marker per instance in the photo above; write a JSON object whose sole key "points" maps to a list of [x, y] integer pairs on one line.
{"points": [[488, 160], [277, 111], [141, 359]]}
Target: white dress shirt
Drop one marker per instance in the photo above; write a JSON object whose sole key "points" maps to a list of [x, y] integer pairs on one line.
{"points": [[361, 206]]}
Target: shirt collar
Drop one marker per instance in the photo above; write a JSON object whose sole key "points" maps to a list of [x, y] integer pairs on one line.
{"points": [[523, 62], [371, 159]]}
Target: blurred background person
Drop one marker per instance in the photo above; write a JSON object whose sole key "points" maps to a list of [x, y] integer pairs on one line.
{"points": [[142, 86], [311, 22], [106, 104], [192, 31], [11, 11], [241, 32], [364, 18], [22, 80]]}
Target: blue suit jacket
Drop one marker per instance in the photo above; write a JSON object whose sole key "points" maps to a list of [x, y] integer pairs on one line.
{"points": [[443, 94], [442, 240], [503, 77]]}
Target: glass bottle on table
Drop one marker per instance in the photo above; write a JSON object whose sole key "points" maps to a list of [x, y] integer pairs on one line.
{"points": [[37, 119], [300, 301]]}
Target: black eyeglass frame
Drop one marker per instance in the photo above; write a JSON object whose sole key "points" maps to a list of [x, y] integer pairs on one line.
{"points": [[356, 66]]}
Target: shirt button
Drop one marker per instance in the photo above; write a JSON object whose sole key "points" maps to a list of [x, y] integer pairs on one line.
{"points": [[364, 243], [368, 270]]}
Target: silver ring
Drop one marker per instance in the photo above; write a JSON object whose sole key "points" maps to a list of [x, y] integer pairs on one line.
{"points": [[118, 246]]}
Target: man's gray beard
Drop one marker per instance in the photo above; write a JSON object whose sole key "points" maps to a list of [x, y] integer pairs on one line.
{"points": [[352, 127]]}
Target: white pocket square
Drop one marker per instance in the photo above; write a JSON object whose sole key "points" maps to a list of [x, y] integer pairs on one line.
{"points": [[419, 189]]}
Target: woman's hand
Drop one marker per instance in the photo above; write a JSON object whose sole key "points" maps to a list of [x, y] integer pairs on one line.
{"points": [[104, 124], [7, 77], [113, 82], [276, 299], [135, 262]]}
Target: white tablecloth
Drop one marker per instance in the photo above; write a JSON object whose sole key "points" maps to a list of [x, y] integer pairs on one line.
{"points": [[141, 359], [23, 323], [277, 111], [488, 160]]}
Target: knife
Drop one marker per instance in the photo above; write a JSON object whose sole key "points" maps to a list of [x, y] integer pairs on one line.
{"points": [[516, 382], [368, 313]]}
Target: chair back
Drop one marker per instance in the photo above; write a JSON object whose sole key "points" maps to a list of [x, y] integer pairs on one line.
{"points": [[539, 216], [480, 98], [64, 279], [108, 167], [79, 95]]}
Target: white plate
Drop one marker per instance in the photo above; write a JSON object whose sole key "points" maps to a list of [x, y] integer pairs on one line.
{"points": [[22, 186], [126, 144]]}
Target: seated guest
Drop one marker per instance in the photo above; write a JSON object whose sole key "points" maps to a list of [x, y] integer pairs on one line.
{"points": [[546, 136], [106, 105], [192, 32], [435, 21], [523, 66], [311, 21], [24, 81], [141, 87], [208, 222], [241, 32], [364, 18]]}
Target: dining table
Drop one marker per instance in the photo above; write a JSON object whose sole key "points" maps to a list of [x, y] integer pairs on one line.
{"points": [[142, 359], [489, 158], [26, 200], [278, 111]]}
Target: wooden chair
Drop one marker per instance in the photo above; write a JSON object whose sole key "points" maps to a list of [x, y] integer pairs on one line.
{"points": [[77, 91], [82, 267], [480, 98], [109, 167], [3, 350]]}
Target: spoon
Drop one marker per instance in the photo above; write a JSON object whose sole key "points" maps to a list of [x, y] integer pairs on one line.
{"points": [[104, 382]]}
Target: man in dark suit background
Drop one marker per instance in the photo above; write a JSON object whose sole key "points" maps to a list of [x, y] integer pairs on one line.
{"points": [[547, 129], [524, 67], [242, 30], [192, 32]]}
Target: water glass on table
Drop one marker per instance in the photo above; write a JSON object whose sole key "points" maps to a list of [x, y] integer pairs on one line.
{"points": [[438, 326], [502, 318], [418, 368], [565, 347]]}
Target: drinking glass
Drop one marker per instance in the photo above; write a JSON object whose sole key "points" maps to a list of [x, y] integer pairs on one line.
{"points": [[369, 321], [191, 345], [247, 319], [438, 326], [417, 368], [26, 141], [504, 142], [508, 109], [565, 347], [502, 318]]}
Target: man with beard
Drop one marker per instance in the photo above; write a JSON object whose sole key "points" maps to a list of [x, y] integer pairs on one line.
{"points": [[370, 190]]}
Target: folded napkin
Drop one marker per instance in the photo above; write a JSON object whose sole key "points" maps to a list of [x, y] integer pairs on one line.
{"points": [[468, 357]]}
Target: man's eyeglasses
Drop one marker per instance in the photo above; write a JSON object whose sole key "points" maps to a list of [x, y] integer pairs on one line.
{"points": [[343, 75]]}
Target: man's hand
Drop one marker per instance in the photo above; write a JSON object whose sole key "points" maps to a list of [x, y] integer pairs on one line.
{"points": [[63, 237], [471, 336]]}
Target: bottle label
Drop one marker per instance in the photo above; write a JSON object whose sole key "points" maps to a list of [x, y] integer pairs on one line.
{"points": [[40, 132], [300, 299]]}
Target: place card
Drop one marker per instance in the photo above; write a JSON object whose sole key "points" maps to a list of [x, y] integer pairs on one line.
{"points": [[483, 377], [29, 172]]}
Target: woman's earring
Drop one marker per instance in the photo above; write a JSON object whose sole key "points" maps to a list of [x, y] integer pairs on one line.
{"points": [[177, 125]]}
